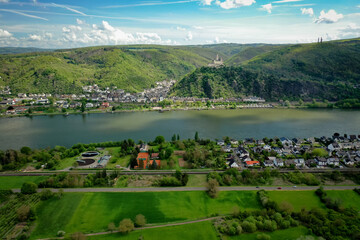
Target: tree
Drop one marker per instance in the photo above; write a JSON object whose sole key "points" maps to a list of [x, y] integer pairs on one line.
{"points": [[173, 138], [28, 188], [60, 193], [25, 150], [111, 227], [46, 194], [159, 140], [213, 188], [196, 137], [83, 105], [126, 226], [178, 137], [140, 220]]}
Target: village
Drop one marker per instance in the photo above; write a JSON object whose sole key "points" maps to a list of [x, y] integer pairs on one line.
{"points": [[325, 152], [107, 99]]}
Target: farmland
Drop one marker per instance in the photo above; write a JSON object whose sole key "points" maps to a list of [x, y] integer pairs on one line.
{"points": [[92, 212], [9, 182], [298, 199]]}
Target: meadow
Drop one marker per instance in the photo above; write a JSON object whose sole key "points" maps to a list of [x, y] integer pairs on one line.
{"points": [[298, 199], [92, 212], [8, 182], [201, 230], [348, 198]]}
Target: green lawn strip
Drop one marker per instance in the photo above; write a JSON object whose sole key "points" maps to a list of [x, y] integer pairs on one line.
{"points": [[201, 230], [348, 198], [65, 163], [196, 180], [55, 214], [287, 234], [10, 182], [96, 210], [298, 199]]}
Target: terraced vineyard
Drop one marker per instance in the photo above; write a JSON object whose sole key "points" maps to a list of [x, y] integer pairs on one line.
{"points": [[8, 211]]}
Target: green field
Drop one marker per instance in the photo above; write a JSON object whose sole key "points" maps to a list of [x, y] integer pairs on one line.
{"points": [[299, 199], [287, 234], [348, 198], [16, 182], [116, 159], [92, 212], [196, 180], [201, 230], [65, 163]]}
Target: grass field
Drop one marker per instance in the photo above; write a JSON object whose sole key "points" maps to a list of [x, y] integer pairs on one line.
{"points": [[198, 180], [348, 198], [65, 163], [287, 234], [16, 182], [202, 230], [92, 212], [299, 199], [116, 159]]}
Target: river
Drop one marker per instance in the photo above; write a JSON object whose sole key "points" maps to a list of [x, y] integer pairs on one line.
{"points": [[44, 131]]}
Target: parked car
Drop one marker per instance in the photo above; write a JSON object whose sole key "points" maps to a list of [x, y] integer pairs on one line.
{"points": [[279, 188]]}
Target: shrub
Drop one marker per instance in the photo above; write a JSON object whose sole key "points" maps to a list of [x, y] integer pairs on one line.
{"points": [[60, 233], [213, 188], [111, 227], [140, 220], [126, 226], [28, 188], [46, 194], [263, 236], [78, 236], [23, 213]]}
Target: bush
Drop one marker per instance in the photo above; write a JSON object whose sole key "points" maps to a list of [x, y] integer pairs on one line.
{"points": [[213, 188], [60, 233], [169, 181], [46, 194], [28, 188], [126, 226], [263, 236], [23, 213], [111, 227], [140, 220]]}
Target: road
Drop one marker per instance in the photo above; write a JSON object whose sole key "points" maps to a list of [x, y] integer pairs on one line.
{"points": [[155, 172], [184, 189]]}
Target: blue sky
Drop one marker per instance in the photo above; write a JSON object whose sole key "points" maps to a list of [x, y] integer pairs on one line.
{"points": [[65, 24]]}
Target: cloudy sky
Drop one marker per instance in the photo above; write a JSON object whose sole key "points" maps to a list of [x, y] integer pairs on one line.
{"points": [[65, 24]]}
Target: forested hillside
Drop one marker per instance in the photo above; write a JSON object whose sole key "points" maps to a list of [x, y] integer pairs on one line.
{"points": [[328, 70]]}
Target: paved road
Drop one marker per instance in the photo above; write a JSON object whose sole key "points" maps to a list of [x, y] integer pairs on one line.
{"points": [[183, 189]]}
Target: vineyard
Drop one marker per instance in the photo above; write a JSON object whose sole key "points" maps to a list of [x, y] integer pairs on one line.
{"points": [[9, 206]]}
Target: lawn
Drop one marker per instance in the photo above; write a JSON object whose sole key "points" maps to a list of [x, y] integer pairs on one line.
{"points": [[116, 159], [348, 198], [92, 212], [298, 199], [196, 180], [66, 163], [10, 182], [287, 234], [201, 230]]}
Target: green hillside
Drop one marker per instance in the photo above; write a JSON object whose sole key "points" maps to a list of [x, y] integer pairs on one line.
{"points": [[249, 53], [325, 71], [65, 71]]}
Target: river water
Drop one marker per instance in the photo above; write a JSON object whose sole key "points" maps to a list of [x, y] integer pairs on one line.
{"points": [[44, 131]]}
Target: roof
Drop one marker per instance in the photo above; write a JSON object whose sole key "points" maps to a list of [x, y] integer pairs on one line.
{"points": [[153, 155], [143, 155], [252, 162]]}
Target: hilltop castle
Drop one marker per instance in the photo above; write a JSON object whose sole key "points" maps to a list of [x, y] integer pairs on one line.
{"points": [[217, 62]]}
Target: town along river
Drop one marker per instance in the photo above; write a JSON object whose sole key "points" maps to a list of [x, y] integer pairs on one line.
{"points": [[44, 131]]}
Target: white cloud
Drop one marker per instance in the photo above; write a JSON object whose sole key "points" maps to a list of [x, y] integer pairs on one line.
{"points": [[207, 2], [70, 9], [329, 17], [198, 27], [4, 1], [180, 29], [267, 7], [4, 34], [229, 4], [34, 37], [108, 34], [48, 35], [307, 11], [80, 22], [189, 36]]}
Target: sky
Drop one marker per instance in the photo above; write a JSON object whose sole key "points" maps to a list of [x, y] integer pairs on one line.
{"points": [[80, 23]]}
